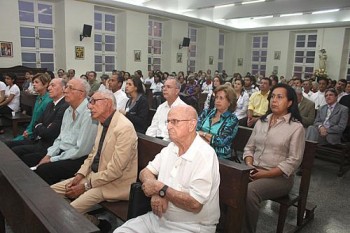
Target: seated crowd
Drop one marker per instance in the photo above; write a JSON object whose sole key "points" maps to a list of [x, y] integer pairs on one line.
{"points": [[82, 138]]}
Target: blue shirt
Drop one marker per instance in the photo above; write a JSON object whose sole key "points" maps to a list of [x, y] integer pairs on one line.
{"points": [[77, 136], [223, 132]]}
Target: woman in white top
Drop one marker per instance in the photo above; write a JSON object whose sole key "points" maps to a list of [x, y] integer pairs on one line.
{"points": [[2, 90], [242, 99], [209, 103], [12, 94]]}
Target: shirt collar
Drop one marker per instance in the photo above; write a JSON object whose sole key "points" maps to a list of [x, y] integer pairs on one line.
{"points": [[108, 120], [57, 101]]}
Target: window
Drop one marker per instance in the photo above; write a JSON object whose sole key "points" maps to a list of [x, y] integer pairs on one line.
{"points": [[259, 54], [304, 54], [192, 34], [155, 33], [221, 51], [105, 42], [37, 34]]}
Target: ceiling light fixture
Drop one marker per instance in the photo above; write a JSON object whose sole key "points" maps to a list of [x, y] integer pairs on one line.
{"points": [[263, 17], [251, 2], [292, 14], [222, 6], [325, 11]]}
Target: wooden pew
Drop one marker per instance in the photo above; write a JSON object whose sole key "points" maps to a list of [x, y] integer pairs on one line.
{"points": [[29, 204], [233, 185], [239, 142]]}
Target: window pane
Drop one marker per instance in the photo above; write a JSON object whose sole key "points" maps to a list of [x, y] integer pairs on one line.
{"points": [[26, 6], [221, 39], [98, 47], [299, 53], [309, 69], [98, 67], [254, 66], [298, 68], [46, 57], [26, 17], [255, 53], [98, 38], [48, 66], [98, 25], [110, 19], [30, 65], [98, 59], [45, 19], [301, 38], [45, 9], [110, 47], [263, 59], [220, 66], [110, 39], [28, 57], [150, 29], [299, 60], [311, 44], [264, 45], [300, 44], [310, 60], [27, 32], [98, 17], [46, 44], [255, 59], [157, 51], [109, 59], [256, 40], [156, 61], [312, 37], [28, 42], [256, 45], [109, 68], [264, 53], [221, 54], [110, 27], [43, 33]]}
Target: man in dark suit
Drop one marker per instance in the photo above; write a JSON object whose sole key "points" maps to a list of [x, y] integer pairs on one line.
{"points": [[46, 129], [330, 121], [306, 108]]}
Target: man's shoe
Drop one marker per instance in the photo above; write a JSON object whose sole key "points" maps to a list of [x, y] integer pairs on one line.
{"points": [[104, 226]]}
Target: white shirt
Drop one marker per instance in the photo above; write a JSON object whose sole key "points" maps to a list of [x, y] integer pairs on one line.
{"points": [[206, 88], [156, 87], [2, 86], [121, 99], [14, 104], [149, 80], [308, 95], [242, 105], [102, 88], [341, 95], [158, 127], [196, 172], [318, 99]]}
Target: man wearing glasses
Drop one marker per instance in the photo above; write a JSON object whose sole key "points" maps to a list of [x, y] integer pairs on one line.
{"points": [[158, 127], [111, 166], [75, 141], [182, 181]]}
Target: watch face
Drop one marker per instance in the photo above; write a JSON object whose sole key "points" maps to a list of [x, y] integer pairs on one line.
{"points": [[161, 193]]}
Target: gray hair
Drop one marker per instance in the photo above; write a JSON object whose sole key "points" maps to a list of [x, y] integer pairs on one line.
{"points": [[298, 90], [108, 95], [84, 84], [178, 85]]}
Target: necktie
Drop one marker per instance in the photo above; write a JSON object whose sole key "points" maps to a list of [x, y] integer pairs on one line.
{"points": [[329, 112]]}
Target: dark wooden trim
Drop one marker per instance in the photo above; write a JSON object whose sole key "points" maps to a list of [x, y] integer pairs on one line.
{"points": [[29, 204]]}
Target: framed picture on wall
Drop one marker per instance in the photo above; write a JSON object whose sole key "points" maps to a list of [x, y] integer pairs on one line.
{"points": [[277, 55], [6, 49], [179, 58], [211, 60], [137, 55], [79, 52]]}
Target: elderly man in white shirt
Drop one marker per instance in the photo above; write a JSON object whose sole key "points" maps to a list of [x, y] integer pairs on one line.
{"points": [[158, 127], [115, 85]]}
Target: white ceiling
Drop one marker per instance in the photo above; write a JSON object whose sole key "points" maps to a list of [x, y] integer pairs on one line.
{"points": [[243, 16]]}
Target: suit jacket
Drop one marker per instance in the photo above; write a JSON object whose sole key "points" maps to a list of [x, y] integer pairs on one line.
{"points": [[337, 120], [48, 126], [138, 114], [118, 165], [307, 112]]}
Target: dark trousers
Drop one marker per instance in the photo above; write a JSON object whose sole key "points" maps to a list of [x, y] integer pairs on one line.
{"points": [[5, 110], [54, 172], [29, 151]]}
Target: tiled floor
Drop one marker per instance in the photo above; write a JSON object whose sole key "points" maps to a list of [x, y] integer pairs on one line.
{"points": [[330, 193]]}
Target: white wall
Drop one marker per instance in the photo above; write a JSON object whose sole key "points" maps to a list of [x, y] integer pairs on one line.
{"points": [[132, 34], [10, 32]]}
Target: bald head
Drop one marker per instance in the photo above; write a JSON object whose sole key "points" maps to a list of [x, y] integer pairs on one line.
{"points": [[182, 124]]}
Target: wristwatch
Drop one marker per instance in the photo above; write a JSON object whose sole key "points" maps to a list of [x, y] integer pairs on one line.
{"points": [[87, 186], [204, 134], [162, 192]]}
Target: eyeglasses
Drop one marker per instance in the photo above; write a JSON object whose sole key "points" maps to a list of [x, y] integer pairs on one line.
{"points": [[167, 87], [93, 101], [69, 87], [175, 121]]}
